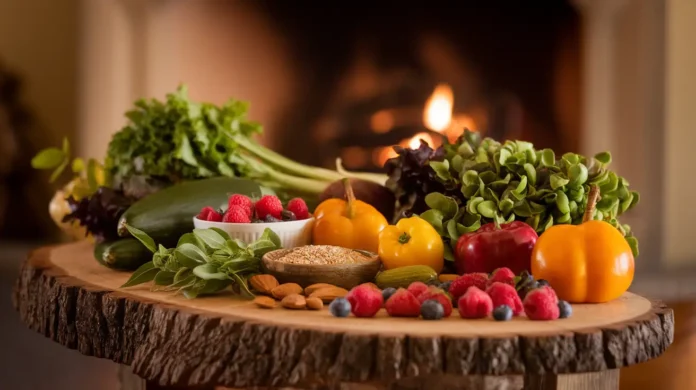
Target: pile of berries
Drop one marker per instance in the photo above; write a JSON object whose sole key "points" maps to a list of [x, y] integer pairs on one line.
{"points": [[241, 209], [476, 295], [479, 295]]}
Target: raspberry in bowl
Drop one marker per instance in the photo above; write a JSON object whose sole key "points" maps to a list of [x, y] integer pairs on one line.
{"points": [[245, 219]]}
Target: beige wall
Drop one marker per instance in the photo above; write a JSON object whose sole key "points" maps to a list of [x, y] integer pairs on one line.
{"points": [[38, 40], [679, 233]]}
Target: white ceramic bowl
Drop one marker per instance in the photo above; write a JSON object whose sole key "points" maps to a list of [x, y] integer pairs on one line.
{"points": [[292, 233]]}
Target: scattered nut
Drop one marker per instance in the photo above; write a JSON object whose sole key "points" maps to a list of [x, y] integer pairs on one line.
{"points": [[294, 301], [263, 283], [265, 302], [316, 286], [286, 289], [314, 303], [328, 294]]}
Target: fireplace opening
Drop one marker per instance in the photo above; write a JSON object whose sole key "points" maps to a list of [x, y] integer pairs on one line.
{"points": [[383, 74]]}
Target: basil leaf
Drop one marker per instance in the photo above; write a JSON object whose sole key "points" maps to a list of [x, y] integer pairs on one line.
{"points": [[191, 252], [145, 273], [208, 272], [262, 246], [221, 232], [142, 237], [211, 238], [269, 234], [164, 278]]}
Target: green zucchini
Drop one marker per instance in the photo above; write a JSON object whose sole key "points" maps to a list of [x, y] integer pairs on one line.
{"points": [[124, 254], [168, 214]]}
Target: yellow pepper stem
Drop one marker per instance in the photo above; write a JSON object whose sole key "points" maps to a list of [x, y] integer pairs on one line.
{"points": [[592, 200], [350, 198], [404, 238]]}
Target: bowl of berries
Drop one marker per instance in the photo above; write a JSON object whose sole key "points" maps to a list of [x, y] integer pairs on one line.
{"points": [[245, 219]]}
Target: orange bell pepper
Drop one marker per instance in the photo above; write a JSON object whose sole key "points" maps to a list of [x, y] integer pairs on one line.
{"points": [[587, 263], [350, 224]]}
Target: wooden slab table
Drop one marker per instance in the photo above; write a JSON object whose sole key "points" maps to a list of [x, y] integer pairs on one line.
{"points": [[64, 294]]}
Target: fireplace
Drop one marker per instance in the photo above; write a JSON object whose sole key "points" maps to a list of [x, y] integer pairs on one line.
{"points": [[381, 75]]}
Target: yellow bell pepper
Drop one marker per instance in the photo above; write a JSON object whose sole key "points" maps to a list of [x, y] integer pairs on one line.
{"points": [[412, 241], [350, 224], [587, 263]]}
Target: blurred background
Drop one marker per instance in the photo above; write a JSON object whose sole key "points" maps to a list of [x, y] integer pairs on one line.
{"points": [[357, 78]]}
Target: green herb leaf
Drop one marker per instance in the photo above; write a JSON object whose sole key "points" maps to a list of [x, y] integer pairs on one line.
{"points": [[78, 165], [48, 159], [269, 234], [262, 246], [441, 168], [142, 237], [208, 272], [210, 237], [558, 180], [164, 278], [58, 171], [192, 252], [487, 208], [604, 157], [434, 217], [145, 273]]}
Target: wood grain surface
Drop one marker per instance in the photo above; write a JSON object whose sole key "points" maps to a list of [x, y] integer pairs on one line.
{"points": [[64, 294]]}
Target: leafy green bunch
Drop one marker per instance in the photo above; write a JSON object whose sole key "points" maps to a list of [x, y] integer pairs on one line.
{"points": [[180, 139], [204, 262], [486, 181]]}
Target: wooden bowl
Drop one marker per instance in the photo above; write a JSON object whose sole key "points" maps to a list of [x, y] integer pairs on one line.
{"points": [[341, 275]]}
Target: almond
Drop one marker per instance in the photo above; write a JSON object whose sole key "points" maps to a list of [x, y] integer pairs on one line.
{"points": [[328, 294], [314, 303], [265, 302], [316, 286], [263, 283], [294, 301], [286, 289]]}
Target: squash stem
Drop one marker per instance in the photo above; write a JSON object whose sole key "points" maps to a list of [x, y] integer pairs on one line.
{"points": [[350, 198]]}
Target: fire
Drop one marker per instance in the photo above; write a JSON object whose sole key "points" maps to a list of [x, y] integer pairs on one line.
{"points": [[414, 142], [438, 109]]}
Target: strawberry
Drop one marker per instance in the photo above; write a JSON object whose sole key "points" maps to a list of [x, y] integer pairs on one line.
{"points": [[236, 214], [541, 304], [502, 275], [365, 300], [459, 286], [417, 288], [403, 304], [242, 201], [475, 304], [269, 205], [439, 295], [505, 294], [209, 214], [299, 208]]}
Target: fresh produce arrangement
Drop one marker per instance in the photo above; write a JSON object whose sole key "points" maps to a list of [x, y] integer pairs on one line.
{"points": [[478, 228]]}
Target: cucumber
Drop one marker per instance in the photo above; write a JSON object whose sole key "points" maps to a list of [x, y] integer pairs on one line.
{"points": [[167, 214], [404, 276], [123, 254]]}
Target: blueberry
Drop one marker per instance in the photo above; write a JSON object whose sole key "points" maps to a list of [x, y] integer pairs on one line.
{"points": [[387, 293], [340, 307], [502, 313], [565, 309], [288, 215], [542, 283], [270, 218], [446, 285], [432, 310]]}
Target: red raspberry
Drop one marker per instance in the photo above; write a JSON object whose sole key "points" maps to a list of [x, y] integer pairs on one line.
{"points": [[299, 208], [460, 285], [242, 201], [236, 214], [502, 275], [475, 304], [417, 288], [505, 294], [365, 300], [403, 304], [209, 214], [439, 295], [268, 205], [541, 304]]}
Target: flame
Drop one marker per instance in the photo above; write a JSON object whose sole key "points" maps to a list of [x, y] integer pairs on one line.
{"points": [[438, 108], [414, 142]]}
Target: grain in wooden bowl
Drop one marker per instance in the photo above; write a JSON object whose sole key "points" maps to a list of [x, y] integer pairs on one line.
{"points": [[310, 264]]}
